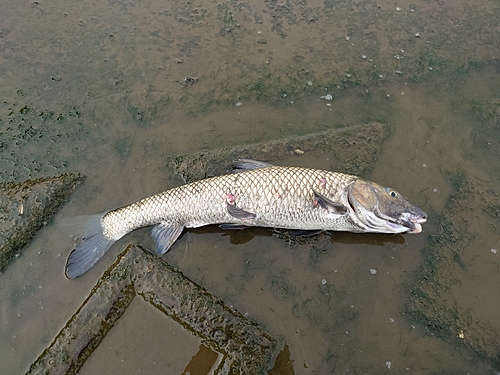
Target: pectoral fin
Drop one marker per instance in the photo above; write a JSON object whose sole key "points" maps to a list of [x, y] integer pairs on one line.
{"points": [[327, 204], [165, 236], [239, 213]]}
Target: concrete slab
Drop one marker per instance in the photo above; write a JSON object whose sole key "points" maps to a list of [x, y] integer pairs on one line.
{"points": [[243, 347], [352, 150], [26, 206]]}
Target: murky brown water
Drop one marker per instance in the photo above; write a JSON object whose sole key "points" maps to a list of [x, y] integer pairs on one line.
{"points": [[105, 91]]}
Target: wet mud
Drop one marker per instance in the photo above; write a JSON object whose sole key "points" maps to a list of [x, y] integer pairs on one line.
{"points": [[448, 263]]}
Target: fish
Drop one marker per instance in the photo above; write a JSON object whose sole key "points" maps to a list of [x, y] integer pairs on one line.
{"points": [[256, 194]]}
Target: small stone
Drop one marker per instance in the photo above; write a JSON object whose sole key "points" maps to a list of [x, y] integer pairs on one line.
{"points": [[373, 271]]}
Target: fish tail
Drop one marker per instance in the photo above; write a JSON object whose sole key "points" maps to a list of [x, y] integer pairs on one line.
{"points": [[92, 247]]}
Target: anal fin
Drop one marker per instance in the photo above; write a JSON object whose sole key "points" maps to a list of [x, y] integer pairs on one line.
{"points": [[233, 226], [165, 236]]}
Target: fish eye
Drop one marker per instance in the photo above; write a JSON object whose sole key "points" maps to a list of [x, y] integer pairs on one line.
{"points": [[392, 193]]}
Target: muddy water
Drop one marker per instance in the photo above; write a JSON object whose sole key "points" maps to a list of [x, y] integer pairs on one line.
{"points": [[110, 89]]}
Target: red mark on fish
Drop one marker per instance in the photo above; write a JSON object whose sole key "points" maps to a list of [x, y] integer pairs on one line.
{"points": [[230, 199]]}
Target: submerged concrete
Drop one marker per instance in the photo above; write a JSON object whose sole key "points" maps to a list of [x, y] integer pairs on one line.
{"points": [[27, 206], [243, 346]]}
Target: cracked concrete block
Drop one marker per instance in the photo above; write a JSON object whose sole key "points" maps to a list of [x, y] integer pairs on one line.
{"points": [[26, 206]]}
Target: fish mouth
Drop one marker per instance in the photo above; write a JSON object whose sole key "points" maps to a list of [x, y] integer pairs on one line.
{"points": [[406, 222], [413, 223], [377, 222]]}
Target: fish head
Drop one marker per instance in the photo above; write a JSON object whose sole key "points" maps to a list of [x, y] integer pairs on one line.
{"points": [[382, 209]]}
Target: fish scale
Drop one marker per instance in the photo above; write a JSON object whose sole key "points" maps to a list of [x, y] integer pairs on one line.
{"points": [[259, 194]]}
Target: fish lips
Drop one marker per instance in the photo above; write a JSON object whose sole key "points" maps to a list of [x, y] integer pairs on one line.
{"points": [[412, 221]]}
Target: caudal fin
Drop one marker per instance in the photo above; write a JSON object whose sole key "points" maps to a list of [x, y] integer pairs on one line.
{"points": [[92, 247]]}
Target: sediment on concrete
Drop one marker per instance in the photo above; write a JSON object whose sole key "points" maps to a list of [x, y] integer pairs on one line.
{"points": [[351, 150], [26, 206]]}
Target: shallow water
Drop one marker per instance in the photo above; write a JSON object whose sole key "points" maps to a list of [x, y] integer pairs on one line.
{"points": [[99, 88]]}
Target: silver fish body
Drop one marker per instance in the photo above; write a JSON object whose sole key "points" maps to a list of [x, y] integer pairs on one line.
{"points": [[259, 195]]}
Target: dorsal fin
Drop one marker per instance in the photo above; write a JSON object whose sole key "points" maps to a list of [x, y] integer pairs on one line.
{"points": [[241, 165]]}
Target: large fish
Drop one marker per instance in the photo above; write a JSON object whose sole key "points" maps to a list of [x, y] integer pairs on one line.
{"points": [[260, 194]]}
